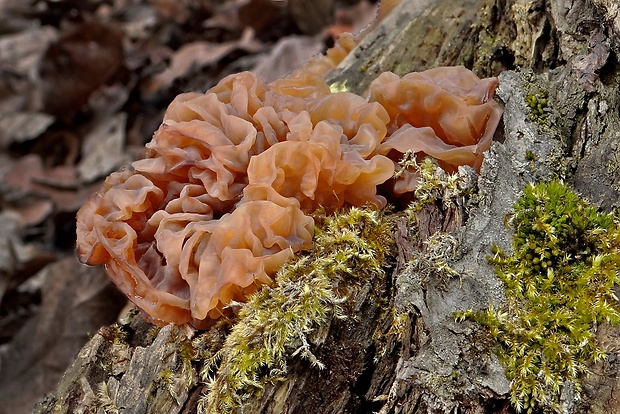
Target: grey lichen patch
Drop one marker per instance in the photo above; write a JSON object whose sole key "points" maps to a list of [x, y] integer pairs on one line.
{"points": [[441, 250], [559, 282], [595, 148], [277, 323], [533, 126]]}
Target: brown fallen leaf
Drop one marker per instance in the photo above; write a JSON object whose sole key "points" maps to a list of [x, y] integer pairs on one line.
{"points": [[76, 301], [225, 20], [266, 17], [18, 178], [28, 179], [180, 11], [193, 57], [18, 260], [31, 210], [312, 17], [75, 65], [9, 236], [137, 19], [356, 17], [20, 53], [102, 151]]}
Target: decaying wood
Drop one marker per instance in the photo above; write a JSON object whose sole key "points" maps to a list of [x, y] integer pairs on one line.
{"points": [[431, 364]]}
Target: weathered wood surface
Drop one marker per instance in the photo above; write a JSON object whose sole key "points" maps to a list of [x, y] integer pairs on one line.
{"points": [[430, 364]]}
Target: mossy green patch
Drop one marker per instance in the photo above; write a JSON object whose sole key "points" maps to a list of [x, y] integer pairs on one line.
{"points": [[559, 283], [537, 101]]}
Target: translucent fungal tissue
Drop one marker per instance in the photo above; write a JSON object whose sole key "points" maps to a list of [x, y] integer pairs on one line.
{"points": [[447, 113], [226, 192]]}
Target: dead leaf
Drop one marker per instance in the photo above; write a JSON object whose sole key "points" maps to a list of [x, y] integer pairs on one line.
{"points": [[76, 301], [225, 19], [57, 146], [19, 177], [18, 260], [21, 52], [138, 20], [22, 126], [9, 236], [265, 15], [356, 17], [76, 64], [312, 17], [180, 11], [288, 54], [27, 178], [193, 57], [108, 100], [102, 150], [31, 210]]}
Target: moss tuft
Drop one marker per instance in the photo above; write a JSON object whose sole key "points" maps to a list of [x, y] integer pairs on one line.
{"points": [[559, 283], [436, 184], [276, 322], [530, 156], [538, 105], [104, 401]]}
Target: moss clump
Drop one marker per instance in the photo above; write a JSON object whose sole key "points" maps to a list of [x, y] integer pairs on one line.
{"points": [[276, 322], [559, 283], [530, 156], [538, 106]]}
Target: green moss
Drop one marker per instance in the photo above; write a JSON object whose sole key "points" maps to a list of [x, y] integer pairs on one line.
{"points": [[530, 156], [559, 283], [537, 101], [166, 380], [185, 356], [276, 322]]}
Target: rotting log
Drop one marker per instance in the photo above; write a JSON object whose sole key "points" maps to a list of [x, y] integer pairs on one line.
{"points": [[399, 350]]}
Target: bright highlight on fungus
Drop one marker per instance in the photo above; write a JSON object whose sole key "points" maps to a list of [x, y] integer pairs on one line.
{"points": [[226, 192]]}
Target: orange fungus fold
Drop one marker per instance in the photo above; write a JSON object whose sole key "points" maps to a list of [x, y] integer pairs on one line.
{"points": [[231, 178]]}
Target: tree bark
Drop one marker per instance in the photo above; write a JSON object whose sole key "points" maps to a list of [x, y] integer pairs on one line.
{"points": [[400, 350]]}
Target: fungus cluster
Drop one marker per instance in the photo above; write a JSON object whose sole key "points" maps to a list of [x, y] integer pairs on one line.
{"points": [[226, 192]]}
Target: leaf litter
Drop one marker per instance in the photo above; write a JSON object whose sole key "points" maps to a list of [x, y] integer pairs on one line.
{"points": [[83, 86]]}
